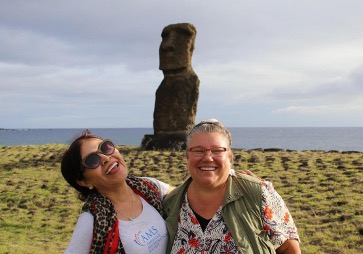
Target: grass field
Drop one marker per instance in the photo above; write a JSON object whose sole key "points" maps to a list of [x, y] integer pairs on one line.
{"points": [[323, 191]]}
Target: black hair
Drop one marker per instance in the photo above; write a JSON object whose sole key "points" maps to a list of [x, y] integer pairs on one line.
{"points": [[71, 165]]}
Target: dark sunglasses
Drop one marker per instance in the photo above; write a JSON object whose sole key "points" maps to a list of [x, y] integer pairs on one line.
{"points": [[93, 160]]}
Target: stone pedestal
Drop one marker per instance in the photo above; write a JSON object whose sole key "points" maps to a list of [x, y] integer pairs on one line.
{"points": [[166, 141]]}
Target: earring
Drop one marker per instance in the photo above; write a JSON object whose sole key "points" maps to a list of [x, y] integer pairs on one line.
{"points": [[91, 187]]}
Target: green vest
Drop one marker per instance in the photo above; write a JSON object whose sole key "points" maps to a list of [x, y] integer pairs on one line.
{"points": [[241, 212]]}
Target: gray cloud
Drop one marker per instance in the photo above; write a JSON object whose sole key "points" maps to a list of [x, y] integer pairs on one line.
{"points": [[95, 63]]}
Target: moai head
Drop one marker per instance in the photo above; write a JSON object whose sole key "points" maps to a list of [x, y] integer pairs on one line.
{"points": [[177, 46]]}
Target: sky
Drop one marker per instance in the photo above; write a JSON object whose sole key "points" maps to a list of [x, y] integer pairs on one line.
{"points": [[95, 64]]}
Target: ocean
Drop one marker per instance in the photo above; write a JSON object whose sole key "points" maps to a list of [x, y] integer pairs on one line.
{"points": [[289, 138]]}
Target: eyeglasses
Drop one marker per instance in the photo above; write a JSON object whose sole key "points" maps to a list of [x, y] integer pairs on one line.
{"points": [[201, 152], [93, 160]]}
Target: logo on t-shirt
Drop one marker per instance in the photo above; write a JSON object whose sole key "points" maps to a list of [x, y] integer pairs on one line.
{"points": [[142, 238], [150, 237]]}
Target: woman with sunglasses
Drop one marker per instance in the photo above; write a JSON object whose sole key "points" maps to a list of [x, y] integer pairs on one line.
{"points": [[121, 214], [218, 210]]}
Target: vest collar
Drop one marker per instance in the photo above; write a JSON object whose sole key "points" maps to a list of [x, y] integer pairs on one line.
{"points": [[233, 192]]}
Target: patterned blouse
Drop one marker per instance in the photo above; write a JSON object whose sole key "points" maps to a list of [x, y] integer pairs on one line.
{"points": [[216, 238]]}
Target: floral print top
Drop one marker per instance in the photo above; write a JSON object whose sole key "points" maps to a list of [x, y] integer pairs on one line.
{"points": [[190, 238]]}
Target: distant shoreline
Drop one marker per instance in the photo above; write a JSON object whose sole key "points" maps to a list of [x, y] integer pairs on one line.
{"points": [[125, 147], [287, 138]]}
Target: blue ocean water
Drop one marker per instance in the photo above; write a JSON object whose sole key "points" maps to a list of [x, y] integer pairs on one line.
{"points": [[299, 138]]}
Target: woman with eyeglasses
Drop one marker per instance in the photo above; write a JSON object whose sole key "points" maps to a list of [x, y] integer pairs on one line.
{"points": [[218, 210], [121, 213]]}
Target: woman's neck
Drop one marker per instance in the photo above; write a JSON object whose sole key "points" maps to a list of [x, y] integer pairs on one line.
{"points": [[126, 202], [118, 194], [204, 201]]}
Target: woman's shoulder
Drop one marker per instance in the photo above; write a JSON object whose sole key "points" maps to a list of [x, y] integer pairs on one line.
{"points": [[244, 177]]}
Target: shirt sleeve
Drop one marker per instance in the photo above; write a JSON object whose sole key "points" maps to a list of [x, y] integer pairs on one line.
{"points": [[163, 187], [82, 235], [277, 219]]}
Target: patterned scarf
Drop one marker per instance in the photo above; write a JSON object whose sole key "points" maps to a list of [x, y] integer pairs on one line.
{"points": [[106, 237]]}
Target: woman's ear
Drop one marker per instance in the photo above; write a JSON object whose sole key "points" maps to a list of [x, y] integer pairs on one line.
{"points": [[231, 157], [84, 184]]}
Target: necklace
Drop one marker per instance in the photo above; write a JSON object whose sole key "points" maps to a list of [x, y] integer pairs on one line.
{"points": [[131, 218]]}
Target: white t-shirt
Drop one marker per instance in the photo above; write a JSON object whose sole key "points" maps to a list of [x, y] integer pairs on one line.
{"points": [[145, 234]]}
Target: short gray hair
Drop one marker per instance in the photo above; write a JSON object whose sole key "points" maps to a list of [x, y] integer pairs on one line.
{"points": [[210, 125]]}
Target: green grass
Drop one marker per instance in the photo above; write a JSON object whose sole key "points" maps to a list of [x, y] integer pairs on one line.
{"points": [[323, 191]]}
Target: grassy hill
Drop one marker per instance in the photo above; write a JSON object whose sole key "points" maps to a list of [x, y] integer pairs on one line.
{"points": [[323, 191]]}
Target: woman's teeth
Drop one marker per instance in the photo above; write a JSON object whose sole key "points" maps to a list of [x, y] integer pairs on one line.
{"points": [[208, 169], [111, 167]]}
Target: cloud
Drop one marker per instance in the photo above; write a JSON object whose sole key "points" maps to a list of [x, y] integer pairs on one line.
{"points": [[321, 109], [259, 63]]}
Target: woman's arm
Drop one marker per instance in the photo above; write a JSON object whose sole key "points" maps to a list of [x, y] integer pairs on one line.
{"points": [[278, 221], [82, 235], [290, 246], [164, 188]]}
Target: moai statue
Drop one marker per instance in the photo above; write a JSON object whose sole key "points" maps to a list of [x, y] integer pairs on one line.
{"points": [[177, 96]]}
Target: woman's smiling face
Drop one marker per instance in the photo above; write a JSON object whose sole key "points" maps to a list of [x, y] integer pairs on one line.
{"points": [[111, 171], [210, 170]]}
